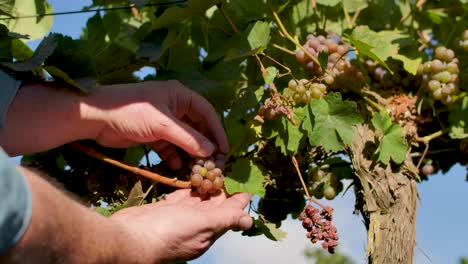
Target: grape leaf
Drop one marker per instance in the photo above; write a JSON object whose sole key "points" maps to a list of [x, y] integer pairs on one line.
{"points": [[245, 177], [133, 155], [176, 14], [20, 51], [354, 5], [84, 84], [392, 143], [329, 121], [368, 43], [458, 118], [289, 135], [103, 211], [45, 49], [328, 2], [136, 196], [253, 41], [323, 59], [270, 230], [32, 26], [270, 74]]}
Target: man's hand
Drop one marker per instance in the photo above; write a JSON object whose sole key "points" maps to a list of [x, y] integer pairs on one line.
{"points": [[159, 113], [182, 227]]}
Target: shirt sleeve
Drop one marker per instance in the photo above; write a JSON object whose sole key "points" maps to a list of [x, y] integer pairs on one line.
{"points": [[15, 203], [8, 88]]}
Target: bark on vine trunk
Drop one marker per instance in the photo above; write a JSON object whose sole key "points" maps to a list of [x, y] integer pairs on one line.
{"points": [[389, 200]]}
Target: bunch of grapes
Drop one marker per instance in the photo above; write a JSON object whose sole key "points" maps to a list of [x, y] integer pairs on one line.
{"points": [[207, 176], [381, 77], [463, 43], [339, 72], [302, 91], [325, 184], [440, 76], [272, 109], [319, 226]]}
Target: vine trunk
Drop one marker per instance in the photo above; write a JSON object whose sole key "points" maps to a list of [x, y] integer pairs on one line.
{"points": [[388, 199]]}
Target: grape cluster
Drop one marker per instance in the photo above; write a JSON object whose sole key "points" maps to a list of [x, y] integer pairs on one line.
{"points": [[207, 176], [302, 91], [440, 76], [319, 226], [272, 109], [381, 77], [339, 72], [463, 43], [325, 184]]}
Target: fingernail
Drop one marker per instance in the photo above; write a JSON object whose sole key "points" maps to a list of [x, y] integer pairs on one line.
{"points": [[245, 222], [207, 148]]}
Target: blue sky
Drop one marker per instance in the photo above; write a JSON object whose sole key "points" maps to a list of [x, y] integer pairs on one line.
{"points": [[442, 231]]}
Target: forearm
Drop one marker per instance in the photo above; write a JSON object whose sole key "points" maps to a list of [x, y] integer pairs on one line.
{"points": [[63, 231], [42, 117]]}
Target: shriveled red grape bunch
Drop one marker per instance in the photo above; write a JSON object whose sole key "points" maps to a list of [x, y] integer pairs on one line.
{"points": [[207, 176], [319, 226]]}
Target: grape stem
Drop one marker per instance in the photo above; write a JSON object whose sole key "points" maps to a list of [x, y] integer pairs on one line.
{"points": [[430, 137], [293, 40], [289, 72], [426, 149], [304, 186], [225, 15], [290, 52], [174, 182]]}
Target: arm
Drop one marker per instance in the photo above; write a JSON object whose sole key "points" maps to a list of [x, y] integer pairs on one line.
{"points": [[61, 230], [155, 113]]}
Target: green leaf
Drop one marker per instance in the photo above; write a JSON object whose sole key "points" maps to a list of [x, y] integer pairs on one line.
{"points": [[20, 51], [409, 64], [329, 121], [45, 49], [136, 196], [245, 177], [253, 41], [436, 16], [328, 2], [368, 43], [290, 136], [270, 230], [270, 74], [392, 145], [458, 118], [354, 5], [85, 85], [33, 27], [323, 59], [176, 14]]}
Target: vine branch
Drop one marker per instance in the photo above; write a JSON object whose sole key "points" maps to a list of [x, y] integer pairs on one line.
{"points": [[225, 15], [306, 190], [174, 182]]}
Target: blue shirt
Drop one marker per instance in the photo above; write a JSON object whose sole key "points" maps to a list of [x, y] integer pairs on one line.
{"points": [[15, 196]]}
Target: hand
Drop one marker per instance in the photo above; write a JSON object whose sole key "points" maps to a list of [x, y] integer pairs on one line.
{"points": [[158, 113], [182, 226]]}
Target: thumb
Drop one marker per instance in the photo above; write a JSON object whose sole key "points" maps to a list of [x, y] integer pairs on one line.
{"points": [[185, 137], [231, 218]]}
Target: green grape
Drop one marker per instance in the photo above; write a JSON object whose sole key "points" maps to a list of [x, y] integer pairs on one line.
{"points": [[433, 85], [217, 172], [439, 52], [203, 171], [437, 94], [315, 92], [452, 67], [292, 84], [300, 89], [443, 77], [329, 192]]}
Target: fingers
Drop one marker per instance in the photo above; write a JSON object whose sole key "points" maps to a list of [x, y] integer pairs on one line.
{"points": [[184, 136], [200, 111], [229, 218], [238, 200], [168, 153]]}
